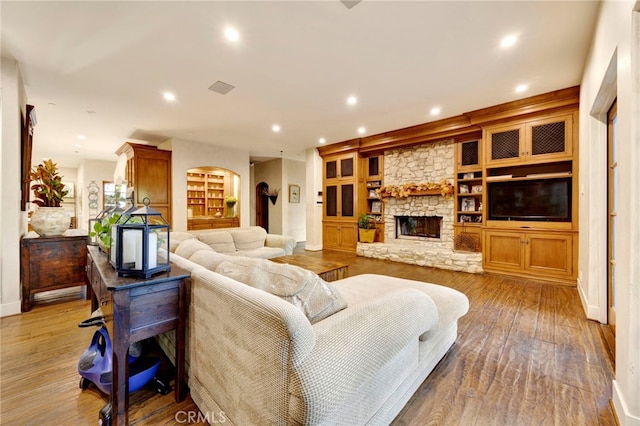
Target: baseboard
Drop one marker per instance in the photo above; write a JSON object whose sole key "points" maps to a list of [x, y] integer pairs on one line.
{"points": [[592, 312], [317, 247], [621, 409], [7, 309]]}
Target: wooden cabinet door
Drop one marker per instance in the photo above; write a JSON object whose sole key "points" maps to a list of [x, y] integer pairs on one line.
{"points": [[549, 139], [549, 253], [468, 155], [505, 144], [339, 236], [503, 250]]}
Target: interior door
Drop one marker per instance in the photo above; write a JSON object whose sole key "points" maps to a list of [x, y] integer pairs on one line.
{"points": [[262, 205], [612, 183]]}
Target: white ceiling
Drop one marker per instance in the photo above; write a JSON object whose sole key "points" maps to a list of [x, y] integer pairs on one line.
{"points": [[295, 65]]}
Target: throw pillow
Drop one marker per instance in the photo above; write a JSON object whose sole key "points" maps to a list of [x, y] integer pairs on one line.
{"points": [[208, 258], [188, 247], [316, 298]]}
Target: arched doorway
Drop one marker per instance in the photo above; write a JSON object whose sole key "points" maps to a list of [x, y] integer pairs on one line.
{"points": [[262, 205]]}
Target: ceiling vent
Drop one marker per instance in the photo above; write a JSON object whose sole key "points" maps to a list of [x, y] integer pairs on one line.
{"points": [[350, 3], [221, 87]]}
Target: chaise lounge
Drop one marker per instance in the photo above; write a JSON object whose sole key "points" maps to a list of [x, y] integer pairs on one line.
{"points": [[273, 344]]}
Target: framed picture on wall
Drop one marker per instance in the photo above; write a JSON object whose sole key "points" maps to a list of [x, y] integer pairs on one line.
{"points": [[294, 193]]}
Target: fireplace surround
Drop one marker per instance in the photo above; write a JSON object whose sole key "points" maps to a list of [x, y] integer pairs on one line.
{"points": [[429, 162]]}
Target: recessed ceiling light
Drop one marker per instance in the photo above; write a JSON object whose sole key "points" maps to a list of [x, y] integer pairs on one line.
{"points": [[352, 100], [435, 110], [521, 88], [81, 137], [361, 130], [275, 128], [231, 34], [322, 140], [508, 41], [169, 97]]}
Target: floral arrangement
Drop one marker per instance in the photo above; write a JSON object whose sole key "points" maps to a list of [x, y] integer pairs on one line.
{"points": [[443, 188], [230, 200]]}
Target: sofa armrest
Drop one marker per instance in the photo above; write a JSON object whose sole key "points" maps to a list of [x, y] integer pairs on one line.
{"points": [[282, 241], [242, 341], [354, 344]]}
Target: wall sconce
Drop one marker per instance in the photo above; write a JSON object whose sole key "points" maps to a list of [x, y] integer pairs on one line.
{"points": [[138, 242], [272, 194]]}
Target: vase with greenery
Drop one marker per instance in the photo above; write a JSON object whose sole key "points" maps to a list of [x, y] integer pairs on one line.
{"points": [[230, 201], [367, 228], [50, 218]]}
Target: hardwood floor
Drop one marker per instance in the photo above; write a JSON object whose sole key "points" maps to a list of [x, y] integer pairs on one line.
{"points": [[525, 355]]}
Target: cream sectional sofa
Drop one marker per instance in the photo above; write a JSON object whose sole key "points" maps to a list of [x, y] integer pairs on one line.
{"points": [[260, 360], [250, 241]]}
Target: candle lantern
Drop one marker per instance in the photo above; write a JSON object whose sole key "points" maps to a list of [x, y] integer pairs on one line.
{"points": [[122, 215], [94, 234], [138, 243]]}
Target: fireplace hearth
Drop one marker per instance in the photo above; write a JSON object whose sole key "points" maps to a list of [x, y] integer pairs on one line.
{"points": [[418, 226]]}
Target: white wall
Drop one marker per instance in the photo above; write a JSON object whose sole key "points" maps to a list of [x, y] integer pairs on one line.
{"points": [[92, 170], [294, 214], [13, 222], [613, 70], [187, 155], [314, 202], [270, 172]]}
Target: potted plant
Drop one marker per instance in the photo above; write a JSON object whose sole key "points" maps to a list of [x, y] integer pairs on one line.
{"points": [[367, 228], [102, 230], [50, 218]]}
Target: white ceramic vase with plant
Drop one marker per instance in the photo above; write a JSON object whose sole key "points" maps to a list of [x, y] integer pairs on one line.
{"points": [[50, 218]]}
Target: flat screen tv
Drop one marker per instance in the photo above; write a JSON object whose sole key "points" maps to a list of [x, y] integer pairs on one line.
{"points": [[546, 200]]}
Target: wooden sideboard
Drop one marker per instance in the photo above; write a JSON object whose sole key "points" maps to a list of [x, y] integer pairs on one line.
{"points": [[212, 223], [136, 309], [52, 263]]}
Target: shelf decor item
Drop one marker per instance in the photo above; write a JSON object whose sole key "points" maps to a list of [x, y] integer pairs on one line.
{"points": [[230, 201], [139, 243], [50, 219]]}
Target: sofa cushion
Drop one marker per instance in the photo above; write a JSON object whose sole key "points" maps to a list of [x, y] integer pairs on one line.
{"points": [[316, 298], [187, 247], [220, 241], [249, 238], [176, 237], [208, 258], [261, 253]]}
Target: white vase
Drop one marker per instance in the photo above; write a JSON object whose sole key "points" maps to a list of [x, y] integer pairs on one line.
{"points": [[50, 221]]}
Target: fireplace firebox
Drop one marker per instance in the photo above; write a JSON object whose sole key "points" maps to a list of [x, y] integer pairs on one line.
{"points": [[418, 226]]}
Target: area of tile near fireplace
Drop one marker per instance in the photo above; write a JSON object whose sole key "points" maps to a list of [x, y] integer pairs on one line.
{"points": [[430, 162]]}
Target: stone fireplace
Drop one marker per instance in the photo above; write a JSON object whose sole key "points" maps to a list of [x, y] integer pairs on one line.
{"points": [[430, 162]]}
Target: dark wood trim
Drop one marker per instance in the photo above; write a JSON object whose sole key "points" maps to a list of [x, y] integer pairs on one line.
{"points": [[462, 127]]}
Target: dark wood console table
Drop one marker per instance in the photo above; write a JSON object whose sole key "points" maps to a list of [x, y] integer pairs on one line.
{"points": [[135, 309], [52, 263]]}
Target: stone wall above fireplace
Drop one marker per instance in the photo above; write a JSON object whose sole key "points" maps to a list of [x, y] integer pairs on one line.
{"points": [[430, 162]]}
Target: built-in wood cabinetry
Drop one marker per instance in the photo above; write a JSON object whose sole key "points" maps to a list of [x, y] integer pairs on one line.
{"points": [[205, 193], [469, 191], [534, 154], [340, 230], [540, 253], [521, 144], [541, 140], [148, 172], [373, 206]]}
